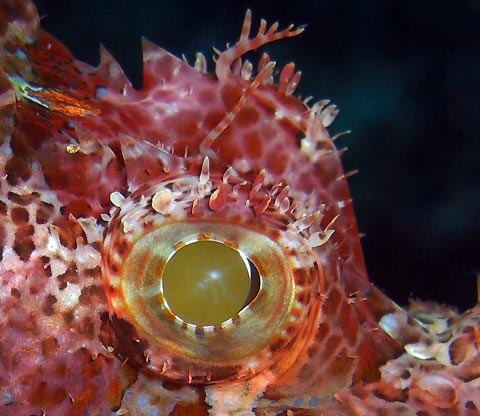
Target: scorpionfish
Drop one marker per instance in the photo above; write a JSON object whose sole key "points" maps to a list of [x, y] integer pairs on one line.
{"points": [[190, 247]]}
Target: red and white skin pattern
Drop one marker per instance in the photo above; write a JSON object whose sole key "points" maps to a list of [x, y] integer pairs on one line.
{"points": [[93, 171]]}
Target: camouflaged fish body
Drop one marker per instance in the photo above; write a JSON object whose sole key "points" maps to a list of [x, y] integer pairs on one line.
{"points": [[101, 185]]}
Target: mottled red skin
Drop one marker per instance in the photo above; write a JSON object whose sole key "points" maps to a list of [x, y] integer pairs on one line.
{"points": [[56, 329]]}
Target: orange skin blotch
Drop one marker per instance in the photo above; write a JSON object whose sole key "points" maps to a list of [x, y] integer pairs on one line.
{"points": [[63, 103]]}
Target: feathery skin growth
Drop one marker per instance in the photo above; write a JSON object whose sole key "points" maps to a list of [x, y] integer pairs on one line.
{"points": [[103, 186]]}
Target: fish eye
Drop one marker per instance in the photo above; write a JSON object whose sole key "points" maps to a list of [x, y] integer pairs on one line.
{"points": [[202, 296]]}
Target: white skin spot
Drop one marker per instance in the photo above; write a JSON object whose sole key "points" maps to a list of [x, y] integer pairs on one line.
{"points": [[117, 199], [162, 201], [69, 296], [88, 257]]}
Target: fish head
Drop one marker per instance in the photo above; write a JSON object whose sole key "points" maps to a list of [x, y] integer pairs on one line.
{"points": [[191, 245]]}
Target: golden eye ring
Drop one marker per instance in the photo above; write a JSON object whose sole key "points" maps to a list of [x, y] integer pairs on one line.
{"points": [[139, 250]]}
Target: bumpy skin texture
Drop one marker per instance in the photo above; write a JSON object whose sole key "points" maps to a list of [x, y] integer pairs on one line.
{"points": [[84, 155]]}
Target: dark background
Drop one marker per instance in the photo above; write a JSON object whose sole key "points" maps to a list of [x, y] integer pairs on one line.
{"points": [[406, 76]]}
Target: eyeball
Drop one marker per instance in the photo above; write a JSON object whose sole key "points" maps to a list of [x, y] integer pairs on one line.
{"points": [[202, 296], [206, 282]]}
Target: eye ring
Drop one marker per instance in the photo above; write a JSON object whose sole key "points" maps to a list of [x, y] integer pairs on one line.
{"points": [[263, 334]]}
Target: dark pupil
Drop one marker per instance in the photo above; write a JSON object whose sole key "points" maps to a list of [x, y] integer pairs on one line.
{"points": [[208, 282]]}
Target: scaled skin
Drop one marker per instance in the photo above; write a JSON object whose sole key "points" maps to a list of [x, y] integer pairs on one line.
{"points": [[90, 166]]}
